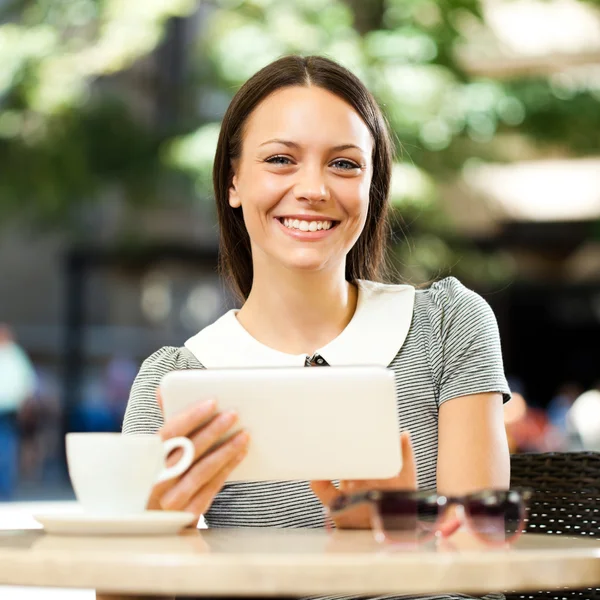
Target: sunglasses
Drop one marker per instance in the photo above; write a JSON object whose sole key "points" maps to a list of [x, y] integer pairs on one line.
{"points": [[495, 517]]}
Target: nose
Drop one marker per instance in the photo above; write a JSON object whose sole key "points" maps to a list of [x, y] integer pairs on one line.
{"points": [[311, 185]]}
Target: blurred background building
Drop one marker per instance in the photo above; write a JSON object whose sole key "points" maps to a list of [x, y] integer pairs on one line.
{"points": [[109, 113]]}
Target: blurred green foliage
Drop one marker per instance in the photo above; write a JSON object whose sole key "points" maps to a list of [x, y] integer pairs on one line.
{"points": [[80, 108]]}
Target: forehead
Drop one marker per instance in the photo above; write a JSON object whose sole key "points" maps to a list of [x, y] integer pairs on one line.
{"points": [[309, 116]]}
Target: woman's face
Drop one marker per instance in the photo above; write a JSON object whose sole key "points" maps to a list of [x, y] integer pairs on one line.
{"points": [[303, 179]]}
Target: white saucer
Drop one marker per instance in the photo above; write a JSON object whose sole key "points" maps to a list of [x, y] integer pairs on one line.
{"points": [[150, 522]]}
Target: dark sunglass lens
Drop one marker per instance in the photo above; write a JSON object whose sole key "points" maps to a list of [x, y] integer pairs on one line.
{"points": [[408, 519], [497, 516]]}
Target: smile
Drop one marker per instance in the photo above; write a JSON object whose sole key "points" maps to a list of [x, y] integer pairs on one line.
{"points": [[308, 229], [301, 225]]}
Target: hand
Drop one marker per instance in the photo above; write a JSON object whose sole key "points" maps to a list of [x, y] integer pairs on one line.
{"points": [[359, 517], [195, 490]]}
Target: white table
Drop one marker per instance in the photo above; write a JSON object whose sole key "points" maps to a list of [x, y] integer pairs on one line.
{"points": [[264, 562]]}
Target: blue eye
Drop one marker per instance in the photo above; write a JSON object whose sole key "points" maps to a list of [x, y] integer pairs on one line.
{"points": [[278, 160], [345, 165]]}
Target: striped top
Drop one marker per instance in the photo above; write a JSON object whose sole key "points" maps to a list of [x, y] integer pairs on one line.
{"points": [[451, 348]]}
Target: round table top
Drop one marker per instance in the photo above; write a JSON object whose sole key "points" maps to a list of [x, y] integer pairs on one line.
{"points": [[268, 562]]}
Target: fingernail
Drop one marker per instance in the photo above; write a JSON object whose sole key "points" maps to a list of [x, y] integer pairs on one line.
{"points": [[228, 418], [242, 438], [208, 405]]}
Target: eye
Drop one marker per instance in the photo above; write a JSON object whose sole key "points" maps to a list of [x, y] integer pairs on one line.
{"points": [[345, 165], [279, 160]]}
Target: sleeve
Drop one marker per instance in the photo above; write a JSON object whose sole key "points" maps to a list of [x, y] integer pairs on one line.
{"points": [[143, 414], [468, 354]]}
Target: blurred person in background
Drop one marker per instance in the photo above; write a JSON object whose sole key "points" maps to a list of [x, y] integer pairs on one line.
{"points": [[583, 418], [558, 414], [105, 395], [528, 429], [17, 386], [40, 429], [119, 377], [93, 412]]}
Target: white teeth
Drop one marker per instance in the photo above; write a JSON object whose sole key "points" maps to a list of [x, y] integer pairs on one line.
{"points": [[307, 225]]}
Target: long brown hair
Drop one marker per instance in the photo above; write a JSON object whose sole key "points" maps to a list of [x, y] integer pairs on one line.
{"points": [[366, 259]]}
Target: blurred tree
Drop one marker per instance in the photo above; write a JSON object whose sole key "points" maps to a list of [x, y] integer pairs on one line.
{"points": [[84, 103], [70, 127]]}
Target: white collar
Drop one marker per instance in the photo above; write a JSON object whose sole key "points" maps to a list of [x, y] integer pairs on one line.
{"points": [[374, 335]]}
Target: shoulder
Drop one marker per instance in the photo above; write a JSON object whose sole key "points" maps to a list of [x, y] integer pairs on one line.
{"points": [[444, 295], [143, 414], [449, 297], [447, 293], [454, 313], [169, 358], [156, 366], [463, 340]]}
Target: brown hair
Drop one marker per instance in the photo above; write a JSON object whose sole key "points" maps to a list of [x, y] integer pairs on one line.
{"points": [[366, 259]]}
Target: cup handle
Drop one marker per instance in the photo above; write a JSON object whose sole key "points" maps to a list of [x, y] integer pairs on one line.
{"points": [[184, 462]]}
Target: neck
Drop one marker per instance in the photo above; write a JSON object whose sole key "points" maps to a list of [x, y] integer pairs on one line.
{"points": [[297, 313]]}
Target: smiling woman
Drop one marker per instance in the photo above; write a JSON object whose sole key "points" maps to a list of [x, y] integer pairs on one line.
{"points": [[287, 185], [310, 131], [301, 177]]}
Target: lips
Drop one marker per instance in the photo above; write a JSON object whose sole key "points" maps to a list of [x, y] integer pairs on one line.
{"points": [[307, 228], [307, 225]]}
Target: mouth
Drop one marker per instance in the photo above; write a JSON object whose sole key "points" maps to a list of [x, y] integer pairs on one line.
{"points": [[307, 225]]}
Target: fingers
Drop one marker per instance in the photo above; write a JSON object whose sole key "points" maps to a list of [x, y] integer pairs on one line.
{"points": [[325, 491], [206, 428], [356, 517], [189, 420], [408, 475], [202, 472], [350, 485], [201, 502], [155, 496], [203, 439], [448, 527], [360, 515], [210, 434], [213, 426]]}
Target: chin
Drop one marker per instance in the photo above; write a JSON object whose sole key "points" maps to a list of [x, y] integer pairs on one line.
{"points": [[307, 262]]}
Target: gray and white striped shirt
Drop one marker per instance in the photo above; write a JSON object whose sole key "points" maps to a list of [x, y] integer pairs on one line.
{"points": [[447, 346]]}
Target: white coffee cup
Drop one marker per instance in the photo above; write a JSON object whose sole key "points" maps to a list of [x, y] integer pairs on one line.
{"points": [[114, 474]]}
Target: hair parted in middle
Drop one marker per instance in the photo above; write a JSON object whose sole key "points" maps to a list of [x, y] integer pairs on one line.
{"points": [[366, 259]]}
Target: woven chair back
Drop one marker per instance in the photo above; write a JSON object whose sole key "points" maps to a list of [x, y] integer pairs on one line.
{"points": [[566, 501]]}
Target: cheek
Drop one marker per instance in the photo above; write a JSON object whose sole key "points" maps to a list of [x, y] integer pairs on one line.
{"points": [[355, 195], [262, 190]]}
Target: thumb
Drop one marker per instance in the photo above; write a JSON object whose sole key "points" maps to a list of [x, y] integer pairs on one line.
{"points": [[408, 474], [159, 399]]}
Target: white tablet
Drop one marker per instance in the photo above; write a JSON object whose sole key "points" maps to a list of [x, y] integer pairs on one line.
{"points": [[304, 423]]}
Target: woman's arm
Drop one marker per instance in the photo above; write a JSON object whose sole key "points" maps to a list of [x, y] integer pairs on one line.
{"points": [[472, 445]]}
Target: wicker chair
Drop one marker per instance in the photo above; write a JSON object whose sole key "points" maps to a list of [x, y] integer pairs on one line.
{"points": [[566, 501]]}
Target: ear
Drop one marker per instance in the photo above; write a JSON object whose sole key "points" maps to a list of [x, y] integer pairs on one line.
{"points": [[234, 197]]}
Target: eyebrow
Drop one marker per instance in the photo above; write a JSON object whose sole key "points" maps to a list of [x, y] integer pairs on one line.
{"points": [[290, 144]]}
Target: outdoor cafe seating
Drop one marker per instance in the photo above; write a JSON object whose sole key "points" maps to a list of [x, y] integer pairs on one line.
{"points": [[566, 501]]}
